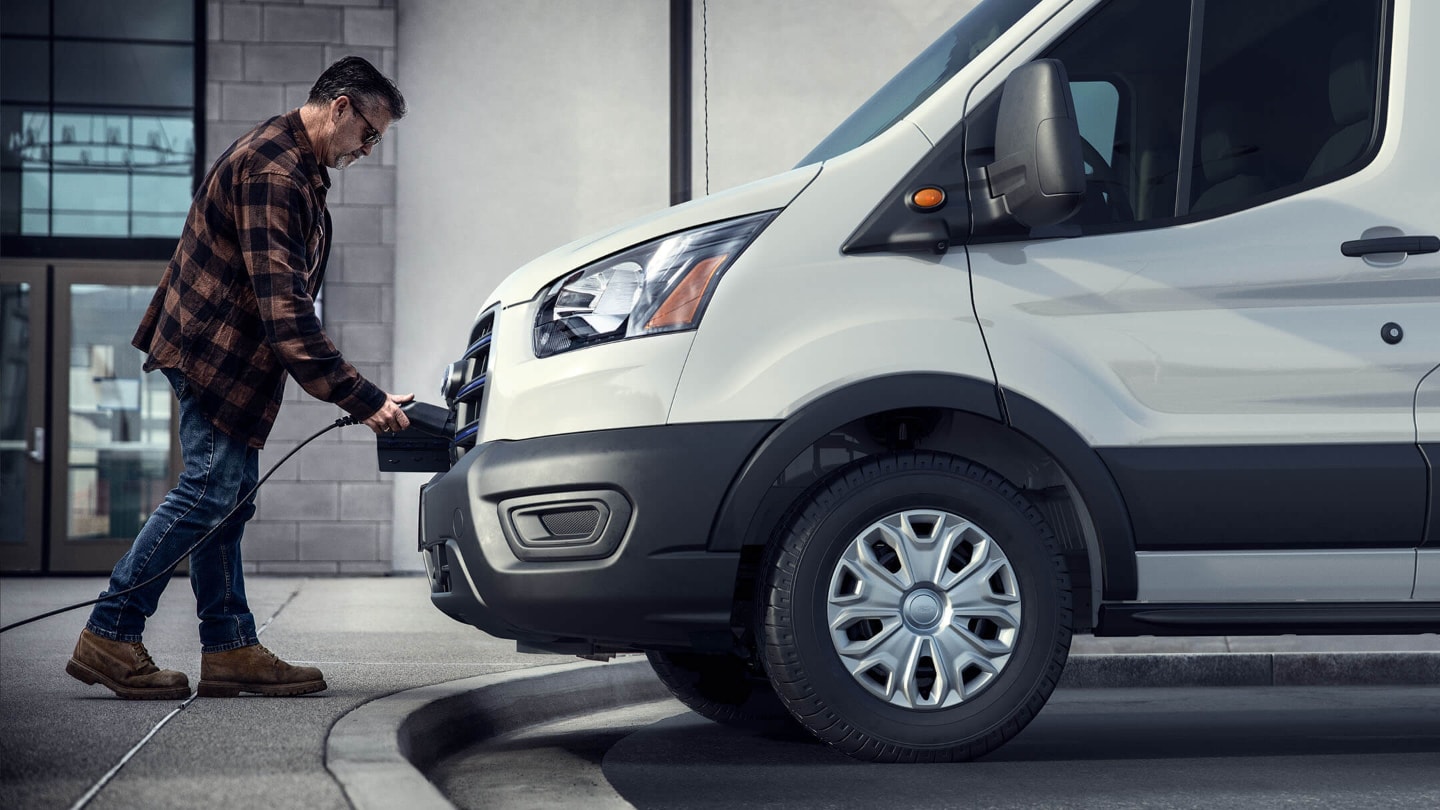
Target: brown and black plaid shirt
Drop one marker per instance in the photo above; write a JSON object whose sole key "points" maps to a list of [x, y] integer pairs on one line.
{"points": [[235, 310]]}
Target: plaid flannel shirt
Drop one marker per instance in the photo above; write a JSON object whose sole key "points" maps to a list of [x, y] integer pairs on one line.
{"points": [[235, 309]]}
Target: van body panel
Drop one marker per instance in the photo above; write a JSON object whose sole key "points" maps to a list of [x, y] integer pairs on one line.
{"points": [[628, 383], [815, 320], [1427, 575], [1272, 576], [1427, 410], [1248, 329]]}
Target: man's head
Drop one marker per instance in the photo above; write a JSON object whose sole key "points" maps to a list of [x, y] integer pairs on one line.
{"points": [[351, 106]]}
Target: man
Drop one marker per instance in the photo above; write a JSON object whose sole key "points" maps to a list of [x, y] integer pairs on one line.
{"points": [[233, 315]]}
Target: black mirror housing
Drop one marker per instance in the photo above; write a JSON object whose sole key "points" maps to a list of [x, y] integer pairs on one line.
{"points": [[1038, 177]]}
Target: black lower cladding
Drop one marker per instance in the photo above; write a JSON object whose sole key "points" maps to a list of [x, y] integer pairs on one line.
{"points": [[1432, 516], [660, 588], [1273, 496]]}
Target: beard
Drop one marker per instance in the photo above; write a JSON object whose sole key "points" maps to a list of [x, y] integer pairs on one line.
{"points": [[342, 161]]}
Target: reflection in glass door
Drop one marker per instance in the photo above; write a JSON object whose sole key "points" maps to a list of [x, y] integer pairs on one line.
{"points": [[22, 414], [116, 455], [119, 417]]}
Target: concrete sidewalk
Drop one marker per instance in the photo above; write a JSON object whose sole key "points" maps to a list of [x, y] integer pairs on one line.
{"points": [[406, 683]]}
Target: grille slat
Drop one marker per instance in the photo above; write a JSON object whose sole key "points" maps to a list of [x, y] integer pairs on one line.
{"points": [[479, 347], [471, 391], [468, 400]]}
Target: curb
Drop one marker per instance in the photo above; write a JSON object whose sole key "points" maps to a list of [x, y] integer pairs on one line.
{"points": [[380, 751]]}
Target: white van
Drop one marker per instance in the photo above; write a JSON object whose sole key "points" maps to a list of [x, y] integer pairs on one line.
{"points": [[1110, 316]]}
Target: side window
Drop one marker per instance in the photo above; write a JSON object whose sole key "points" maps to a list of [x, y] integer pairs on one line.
{"points": [[1097, 105], [1127, 71], [1281, 96], [1287, 97], [1097, 111]]}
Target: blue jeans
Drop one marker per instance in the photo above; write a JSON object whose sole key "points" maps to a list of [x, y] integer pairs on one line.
{"points": [[219, 470]]}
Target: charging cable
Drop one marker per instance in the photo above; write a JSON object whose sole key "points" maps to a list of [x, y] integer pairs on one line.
{"points": [[166, 571]]}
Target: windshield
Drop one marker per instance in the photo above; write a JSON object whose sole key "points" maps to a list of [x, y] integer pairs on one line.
{"points": [[922, 77]]}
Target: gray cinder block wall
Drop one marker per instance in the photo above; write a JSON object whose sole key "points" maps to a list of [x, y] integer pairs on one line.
{"points": [[328, 510]]}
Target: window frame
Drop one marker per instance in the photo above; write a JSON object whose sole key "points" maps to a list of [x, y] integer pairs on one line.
{"points": [[139, 248]]}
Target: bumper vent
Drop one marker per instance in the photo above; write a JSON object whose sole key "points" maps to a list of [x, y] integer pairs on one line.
{"points": [[571, 522], [565, 525]]}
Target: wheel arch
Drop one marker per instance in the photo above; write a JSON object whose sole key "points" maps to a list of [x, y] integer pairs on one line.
{"points": [[1017, 437]]}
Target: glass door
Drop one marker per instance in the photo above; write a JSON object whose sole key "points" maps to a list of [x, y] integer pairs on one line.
{"points": [[113, 426], [23, 310]]}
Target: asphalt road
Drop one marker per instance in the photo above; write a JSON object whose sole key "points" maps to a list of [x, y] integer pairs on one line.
{"points": [[1313, 747]]}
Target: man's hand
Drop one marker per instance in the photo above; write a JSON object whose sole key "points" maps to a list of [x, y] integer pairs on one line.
{"points": [[390, 417]]}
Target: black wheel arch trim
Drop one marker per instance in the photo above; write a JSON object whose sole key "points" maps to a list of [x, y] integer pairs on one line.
{"points": [[1096, 485], [737, 523]]}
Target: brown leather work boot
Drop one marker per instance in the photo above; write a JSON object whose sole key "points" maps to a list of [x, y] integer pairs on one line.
{"points": [[254, 669], [125, 668]]}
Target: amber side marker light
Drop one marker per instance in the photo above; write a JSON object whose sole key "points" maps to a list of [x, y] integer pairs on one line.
{"points": [[927, 199], [679, 308]]}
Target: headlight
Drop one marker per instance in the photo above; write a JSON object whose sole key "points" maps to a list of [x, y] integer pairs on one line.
{"points": [[660, 286]]}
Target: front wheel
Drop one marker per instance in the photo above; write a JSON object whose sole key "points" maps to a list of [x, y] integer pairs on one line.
{"points": [[917, 609]]}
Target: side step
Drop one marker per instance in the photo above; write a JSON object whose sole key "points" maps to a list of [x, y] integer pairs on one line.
{"points": [[1268, 619]]}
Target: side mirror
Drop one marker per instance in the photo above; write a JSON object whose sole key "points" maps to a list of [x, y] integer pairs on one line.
{"points": [[1038, 176]]}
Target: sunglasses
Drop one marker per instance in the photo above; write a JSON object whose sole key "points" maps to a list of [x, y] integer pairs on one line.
{"points": [[372, 135]]}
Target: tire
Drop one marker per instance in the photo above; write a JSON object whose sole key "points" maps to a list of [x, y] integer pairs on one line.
{"points": [[722, 688], [950, 604]]}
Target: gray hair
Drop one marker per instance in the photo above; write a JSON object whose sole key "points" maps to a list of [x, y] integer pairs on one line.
{"points": [[361, 82]]}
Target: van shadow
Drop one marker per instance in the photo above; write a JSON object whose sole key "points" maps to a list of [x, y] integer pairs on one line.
{"points": [[1089, 747]]}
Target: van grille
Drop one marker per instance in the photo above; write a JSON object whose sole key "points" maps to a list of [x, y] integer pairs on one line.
{"points": [[475, 374]]}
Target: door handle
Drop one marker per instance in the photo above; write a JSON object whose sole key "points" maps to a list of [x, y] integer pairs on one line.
{"points": [[37, 453], [1391, 244]]}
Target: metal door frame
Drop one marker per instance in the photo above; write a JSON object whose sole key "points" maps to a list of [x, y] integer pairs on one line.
{"points": [[29, 556], [61, 553]]}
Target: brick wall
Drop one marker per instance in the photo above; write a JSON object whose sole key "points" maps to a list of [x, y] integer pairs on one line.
{"points": [[328, 510]]}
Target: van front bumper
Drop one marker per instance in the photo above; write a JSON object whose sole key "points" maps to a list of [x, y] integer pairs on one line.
{"points": [[589, 541]]}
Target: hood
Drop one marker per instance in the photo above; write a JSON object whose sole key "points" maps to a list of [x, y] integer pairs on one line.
{"points": [[761, 195]]}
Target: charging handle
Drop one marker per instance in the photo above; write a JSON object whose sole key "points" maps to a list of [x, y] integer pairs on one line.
{"points": [[429, 420]]}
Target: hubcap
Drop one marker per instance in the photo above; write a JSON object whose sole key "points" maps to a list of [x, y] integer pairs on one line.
{"points": [[924, 609]]}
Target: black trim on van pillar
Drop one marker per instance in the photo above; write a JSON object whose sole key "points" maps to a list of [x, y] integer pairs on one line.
{"points": [[1273, 496], [1432, 524], [1097, 487]]}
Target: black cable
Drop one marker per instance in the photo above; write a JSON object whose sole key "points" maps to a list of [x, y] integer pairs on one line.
{"points": [[167, 570]]}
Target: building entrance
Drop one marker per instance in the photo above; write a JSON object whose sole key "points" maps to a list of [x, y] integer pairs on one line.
{"points": [[87, 440]]}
